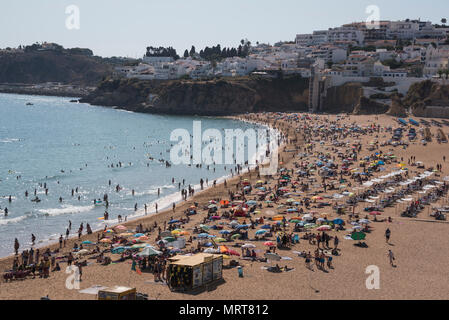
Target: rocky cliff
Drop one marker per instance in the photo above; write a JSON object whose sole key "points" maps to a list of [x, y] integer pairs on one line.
{"points": [[397, 108], [426, 95], [213, 97], [49, 66], [367, 106], [343, 98]]}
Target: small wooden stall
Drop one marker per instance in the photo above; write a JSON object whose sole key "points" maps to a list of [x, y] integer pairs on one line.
{"points": [[117, 293], [186, 273]]}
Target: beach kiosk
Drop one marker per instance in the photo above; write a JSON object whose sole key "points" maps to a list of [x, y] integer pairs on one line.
{"points": [[117, 293], [186, 273]]}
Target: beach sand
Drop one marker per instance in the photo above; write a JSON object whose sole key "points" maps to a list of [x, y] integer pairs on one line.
{"points": [[419, 245]]}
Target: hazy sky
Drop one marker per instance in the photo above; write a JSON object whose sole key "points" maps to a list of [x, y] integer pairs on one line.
{"points": [[127, 27]]}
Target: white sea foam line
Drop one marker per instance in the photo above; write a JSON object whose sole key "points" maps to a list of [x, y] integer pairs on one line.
{"points": [[12, 220], [10, 140], [67, 209]]}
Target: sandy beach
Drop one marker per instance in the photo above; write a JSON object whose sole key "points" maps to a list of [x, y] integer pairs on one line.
{"points": [[419, 244]]}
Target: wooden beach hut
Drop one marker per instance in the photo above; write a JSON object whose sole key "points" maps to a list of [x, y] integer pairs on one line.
{"points": [[186, 273]]}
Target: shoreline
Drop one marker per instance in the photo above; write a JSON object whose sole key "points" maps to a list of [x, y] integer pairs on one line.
{"points": [[148, 219]]}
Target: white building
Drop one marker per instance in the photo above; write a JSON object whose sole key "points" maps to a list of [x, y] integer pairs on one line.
{"points": [[330, 54], [346, 34], [384, 54], [316, 38], [436, 59], [403, 30], [155, 60]]}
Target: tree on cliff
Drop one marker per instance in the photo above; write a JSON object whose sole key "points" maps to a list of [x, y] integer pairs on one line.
{"points": [[192, 51], [162, 52]]}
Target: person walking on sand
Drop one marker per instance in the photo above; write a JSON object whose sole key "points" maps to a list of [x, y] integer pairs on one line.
{"points": [[391, 257], [387, 235], [308, 260]]}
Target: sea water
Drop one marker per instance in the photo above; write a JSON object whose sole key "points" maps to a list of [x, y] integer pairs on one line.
{"points": [[73, 145]]}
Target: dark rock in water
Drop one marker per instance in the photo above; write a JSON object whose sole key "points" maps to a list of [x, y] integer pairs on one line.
{"points": [[29, 104], [74, 101]]}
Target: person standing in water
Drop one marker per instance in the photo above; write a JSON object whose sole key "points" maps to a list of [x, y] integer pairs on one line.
{"points": [[6, 212], [16, 246], [33, 239]]}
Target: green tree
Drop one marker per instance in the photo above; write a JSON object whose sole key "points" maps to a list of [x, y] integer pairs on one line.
{"points": [[192, 51], [186, 53], [444, 21]]}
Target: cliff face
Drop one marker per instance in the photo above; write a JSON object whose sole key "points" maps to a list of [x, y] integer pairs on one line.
{"points": [[421, 95], [397, 108], [368, 106], [215, 97], [343, 98]]}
